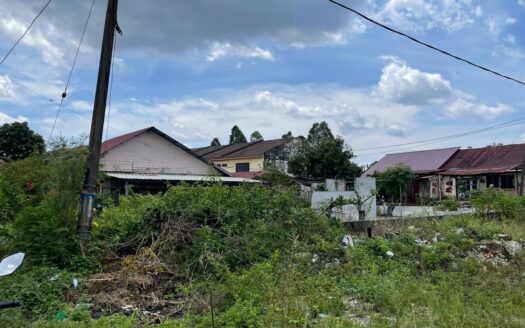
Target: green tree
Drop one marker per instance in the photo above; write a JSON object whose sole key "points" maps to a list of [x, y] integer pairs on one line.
{"points": [[18, 141], [319, 132], [256, 136], [287, 135], [237, 136], [395, 179], [323, 156], [215, 142]]}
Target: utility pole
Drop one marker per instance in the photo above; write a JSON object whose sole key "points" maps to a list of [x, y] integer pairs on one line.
{"points": [[89, 189]]}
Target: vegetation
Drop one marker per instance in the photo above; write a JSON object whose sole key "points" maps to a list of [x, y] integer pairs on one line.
{"points": [[395, 180], [248, 256], [256, 136], [215, 142], [18, 141], [287, 135], [323, 156], [236, 136]]}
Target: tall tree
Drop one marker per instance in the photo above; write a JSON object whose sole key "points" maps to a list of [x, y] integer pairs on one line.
{"points": [[215, 142], [18, 141], [323, 156], [319, 133], [287, 135], [395, 180], [237, 136], [256, 136]]}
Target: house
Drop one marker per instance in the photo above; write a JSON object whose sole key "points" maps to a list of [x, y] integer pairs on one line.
{"points": [[149, 159], [249, 160], [499, 166], [453, 172], [424, 165]]}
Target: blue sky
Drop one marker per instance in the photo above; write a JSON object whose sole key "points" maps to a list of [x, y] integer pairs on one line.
{"points": [[195, 68]]}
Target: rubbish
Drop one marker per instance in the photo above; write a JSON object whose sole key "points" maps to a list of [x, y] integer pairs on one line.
{"points": [[460, 231], [420, 241], [347, 241], [315, 258], [61, 315], [512, 247], [75, 283], [389, 253], [322, 315], [54, 278]]}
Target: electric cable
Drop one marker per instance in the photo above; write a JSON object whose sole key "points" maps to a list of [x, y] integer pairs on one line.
{"points": [[426, 44], [504, 124], [64, 94], [25, 32]]}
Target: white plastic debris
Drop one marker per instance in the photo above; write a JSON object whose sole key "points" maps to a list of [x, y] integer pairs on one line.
{"points": [[389, 253], [347, 241], [75, 283]]}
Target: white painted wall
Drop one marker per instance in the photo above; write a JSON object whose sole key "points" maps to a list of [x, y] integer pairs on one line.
{"points": [[151, 153], [364, 187]]}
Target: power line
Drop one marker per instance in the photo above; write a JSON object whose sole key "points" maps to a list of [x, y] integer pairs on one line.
{"points": [[425, 44], [28, 88], [438, 140], [25, 32], [446, 137], [64, 94]]}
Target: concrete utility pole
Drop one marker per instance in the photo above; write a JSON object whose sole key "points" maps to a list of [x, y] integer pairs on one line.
{"points": [[87, 197]]}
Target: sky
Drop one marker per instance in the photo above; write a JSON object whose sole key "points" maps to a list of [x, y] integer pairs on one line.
{"points": [[195, 68]]}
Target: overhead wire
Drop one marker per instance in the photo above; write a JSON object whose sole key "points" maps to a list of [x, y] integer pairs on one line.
{"points": [[445, 137], [64, 94], [426, 44], [28, 88], [25, 32], [438, 140]]}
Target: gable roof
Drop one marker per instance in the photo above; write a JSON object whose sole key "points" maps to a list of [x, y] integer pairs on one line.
{"points": [[424, 161], [114, 142], [240, 150], [492, 159]]}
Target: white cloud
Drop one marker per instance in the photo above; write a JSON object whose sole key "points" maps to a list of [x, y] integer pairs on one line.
{"points": [[497, 24], [463, 108], [222, 50], [6, 88], [4, 118], [81, 105], [420, 15], [403, 84], [521, 3]]}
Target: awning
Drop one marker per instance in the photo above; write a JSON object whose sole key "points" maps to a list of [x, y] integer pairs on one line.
{"points": [[176, 177]]}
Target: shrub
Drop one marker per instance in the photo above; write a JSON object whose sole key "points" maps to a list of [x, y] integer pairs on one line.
{"points": [[491, 202]]}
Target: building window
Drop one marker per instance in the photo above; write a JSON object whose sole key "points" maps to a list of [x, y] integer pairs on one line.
{"points": [[492, 181], [224, 165], [242, 167], [507, 182]]}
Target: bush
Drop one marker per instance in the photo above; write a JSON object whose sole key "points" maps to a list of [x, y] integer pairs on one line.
{"points": [[449, 204], [44, 236], [493, 202]]}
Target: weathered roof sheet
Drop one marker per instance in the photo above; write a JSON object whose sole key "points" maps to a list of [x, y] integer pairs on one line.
{"points": [[242, 150], [492, 159], [423, 161], [176, 177], [114, 142]]}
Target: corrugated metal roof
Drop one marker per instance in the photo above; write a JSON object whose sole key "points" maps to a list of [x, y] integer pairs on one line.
{"points": [[176, 177], [114, 142], [423, 161], [242, 150], [492, 159]]}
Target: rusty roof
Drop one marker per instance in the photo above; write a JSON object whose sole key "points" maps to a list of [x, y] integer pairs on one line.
{"points": [[423, 161], [114, 142], [240, 150], [492, 159]]}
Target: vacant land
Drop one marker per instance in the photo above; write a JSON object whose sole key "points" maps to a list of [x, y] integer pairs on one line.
{"points": [[204, 256]]}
